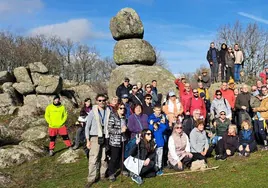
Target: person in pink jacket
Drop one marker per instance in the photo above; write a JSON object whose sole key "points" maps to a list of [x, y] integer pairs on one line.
{"points": [[264, 75]]}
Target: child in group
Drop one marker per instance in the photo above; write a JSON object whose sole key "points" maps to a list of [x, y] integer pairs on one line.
{"points": [[158, 125], [246, 139]]}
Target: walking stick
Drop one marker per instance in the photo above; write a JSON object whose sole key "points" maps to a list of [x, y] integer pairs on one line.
{"points": [[122, 157]]}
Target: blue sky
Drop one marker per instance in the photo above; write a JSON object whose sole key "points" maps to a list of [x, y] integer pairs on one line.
{"points": [[181, 30]]}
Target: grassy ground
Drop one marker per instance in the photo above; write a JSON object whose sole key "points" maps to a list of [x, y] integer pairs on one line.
{"points": [[235, 172]]}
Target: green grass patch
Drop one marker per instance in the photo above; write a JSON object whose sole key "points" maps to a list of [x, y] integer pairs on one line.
{"points": [[234, 172]]}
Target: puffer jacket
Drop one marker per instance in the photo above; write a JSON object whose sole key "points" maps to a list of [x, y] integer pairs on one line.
{"points": [[114, 129]]}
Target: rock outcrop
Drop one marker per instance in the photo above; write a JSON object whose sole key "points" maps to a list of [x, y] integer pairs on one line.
{"points": [[22, 75], [5, 76], [49, 84], [24, 88], [38, 67]]}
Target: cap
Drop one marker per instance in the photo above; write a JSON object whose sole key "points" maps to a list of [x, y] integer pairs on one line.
{"points": [[170, 94], [82, 119], [56, 97], [126, 79], [124, 96], [202, 94]]}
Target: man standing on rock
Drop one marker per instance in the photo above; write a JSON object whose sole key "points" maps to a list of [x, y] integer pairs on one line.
{"points": [[56, 116], [213, 60], [96, 132]]}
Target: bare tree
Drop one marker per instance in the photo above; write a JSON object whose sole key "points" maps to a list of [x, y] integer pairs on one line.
{"points": [[160, 60]]}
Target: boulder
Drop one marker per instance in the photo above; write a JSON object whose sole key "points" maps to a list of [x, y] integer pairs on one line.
{"points": [[134, 51], [145, 74], [35, 133], [5, 76], [22, 75], [35, 78], [38, 67], [69, 156], [22, 123], [40, 149], [7, 181], [24, 88], [69, 83], [80, 93], [6, 100], [15, 155], [36, 104], [126, 24], [9, 136], [49, 84], [16, 97]]}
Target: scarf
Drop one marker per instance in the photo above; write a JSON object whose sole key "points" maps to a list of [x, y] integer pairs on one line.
{"points": [[98, 121], [172, 108]]}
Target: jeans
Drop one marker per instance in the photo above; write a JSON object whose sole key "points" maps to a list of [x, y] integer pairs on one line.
{"points": [[237, 70], [80, 135], [159, 157], [215, 139], [214, 71]]}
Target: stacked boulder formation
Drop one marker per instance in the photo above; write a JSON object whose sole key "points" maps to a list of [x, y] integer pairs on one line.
{"points": [[134, 55]]}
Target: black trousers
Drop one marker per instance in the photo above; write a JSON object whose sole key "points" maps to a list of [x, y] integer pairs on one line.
{"points": [[114, 163], [149, 170], [221, 150], [229, 73], [186, 161]]}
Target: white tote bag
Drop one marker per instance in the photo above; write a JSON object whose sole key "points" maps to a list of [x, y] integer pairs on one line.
{"points": [[134, 165]]}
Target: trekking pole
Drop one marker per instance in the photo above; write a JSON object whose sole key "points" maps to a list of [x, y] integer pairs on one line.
{"points": [[138, 137], [122, 157]]}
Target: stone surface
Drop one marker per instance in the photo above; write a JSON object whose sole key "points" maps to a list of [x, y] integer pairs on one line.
{"points": [[16, 97], [38, 67], [80, 93], [35, 78], [36, 104], [24, 88], [22, 75], [6, 77], [69, 83], [22, 123], [145, 74], [6, 180], [134, 51], [126, 24], [33, 146], [69, 156], [49, 84], [35, 133], [15, 155]]}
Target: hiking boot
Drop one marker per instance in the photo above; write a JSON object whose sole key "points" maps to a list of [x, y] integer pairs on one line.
{"points": [[159, 173], [137, 179], [51, 152], [112, 178], [89, 184]]}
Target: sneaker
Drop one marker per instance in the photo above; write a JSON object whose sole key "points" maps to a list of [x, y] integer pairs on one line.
{"points": [[240, 154], [51, 153], [75, 147], [217, 157], [125, 173], [112, 178], [159, 173], [137, 179], [247, 154]]}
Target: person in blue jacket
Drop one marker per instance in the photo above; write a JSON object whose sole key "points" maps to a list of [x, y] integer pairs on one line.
{"points": [[158, 125]]}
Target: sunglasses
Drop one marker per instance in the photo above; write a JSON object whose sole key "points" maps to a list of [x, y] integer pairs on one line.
{"points": [[122, 108], [102, 100], [148, 98], [218, 94], [134, 88], [223, 114], [148, 134], [195, 92], [178, 127]]}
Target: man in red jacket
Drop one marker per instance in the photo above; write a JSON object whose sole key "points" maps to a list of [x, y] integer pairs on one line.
{"points": [[198, 103], [186, 97], [228, 94], [180, 83], [264, 75]]}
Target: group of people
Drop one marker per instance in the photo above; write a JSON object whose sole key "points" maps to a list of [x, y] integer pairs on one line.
{"points": [[178, 132]]}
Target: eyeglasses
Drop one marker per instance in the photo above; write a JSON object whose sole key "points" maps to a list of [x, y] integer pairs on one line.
{"points": [[102, 100], [148, 98], [148, 134], [126, 81], [178, 127], [122, 108]]}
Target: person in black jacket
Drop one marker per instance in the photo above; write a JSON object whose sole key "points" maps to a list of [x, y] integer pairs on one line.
{"points": [[222, 61], [144, 149], [246, 140], [124, 88], [147, 105], [190, 122], [135, 97], [213, 60]]}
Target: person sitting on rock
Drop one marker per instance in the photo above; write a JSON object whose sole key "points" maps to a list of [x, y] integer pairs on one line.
{"points": [[56, 116]]}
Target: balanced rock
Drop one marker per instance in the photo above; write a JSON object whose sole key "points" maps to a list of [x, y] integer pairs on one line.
{"points": [[5, 76], [134, 51], [22, 75], [49, 84], [38, 67], [24, 88], [145, 74], [126, 24]]}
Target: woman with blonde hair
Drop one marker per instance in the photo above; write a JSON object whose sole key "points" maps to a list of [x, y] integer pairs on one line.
{"points": [[246, 139]]}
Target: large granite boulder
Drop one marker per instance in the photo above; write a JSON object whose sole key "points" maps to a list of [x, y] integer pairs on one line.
{"points": [[38, 67], [69, 83], [22, 75], [35, 78], [134, 51], [13, 94], [36, 104], [15, 155], [35, 133], [36, 147], [49, 84], [69, 156], [24, 88], [5, 76], [79, 93], [6, 100], [126, 24], [145, 74]]}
